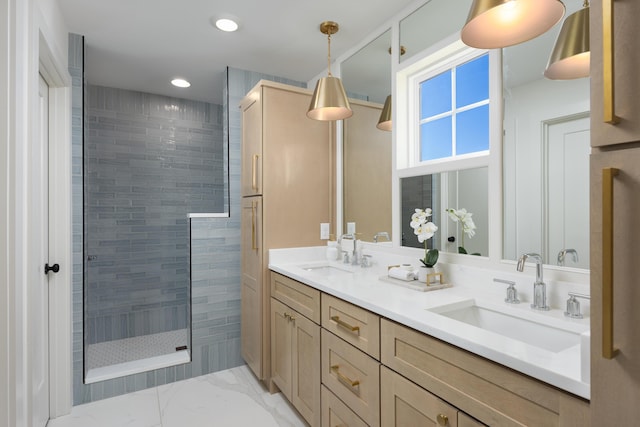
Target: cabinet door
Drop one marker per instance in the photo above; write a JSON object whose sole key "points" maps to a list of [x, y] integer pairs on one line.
{"points": [[306, 368], [252, 147], [626, 59], [404, 404], [251, 285], [281, 347], [615, 383]]}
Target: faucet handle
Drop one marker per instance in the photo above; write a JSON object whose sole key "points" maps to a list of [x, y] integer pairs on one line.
{"points": [[512, 292], [573, 305]]}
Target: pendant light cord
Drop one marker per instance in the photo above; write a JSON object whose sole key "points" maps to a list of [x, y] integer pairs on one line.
{"points": [[329, 52]]}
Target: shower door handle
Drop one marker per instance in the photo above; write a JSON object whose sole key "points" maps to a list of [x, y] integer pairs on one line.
{"points": [[55, 268]]}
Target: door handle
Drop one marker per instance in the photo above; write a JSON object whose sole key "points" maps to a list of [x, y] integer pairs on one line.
{"points": [[608, 351], [55, 268], [608, 63]]}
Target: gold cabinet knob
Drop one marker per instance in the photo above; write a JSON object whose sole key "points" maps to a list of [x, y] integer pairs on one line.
{"points": [[443, 420]]}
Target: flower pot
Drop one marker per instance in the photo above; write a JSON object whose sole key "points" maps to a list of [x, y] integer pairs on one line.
{"points": [[424, 272]]}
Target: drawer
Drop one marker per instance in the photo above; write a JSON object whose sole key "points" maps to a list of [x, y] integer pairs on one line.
{"points": [[488, 391], [405, 404], [336, 414], [353, 324], [353, 376], [302, 298]]}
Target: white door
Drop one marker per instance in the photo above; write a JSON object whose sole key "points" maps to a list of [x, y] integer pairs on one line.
{"points": [[567, 161], [38, 238]]}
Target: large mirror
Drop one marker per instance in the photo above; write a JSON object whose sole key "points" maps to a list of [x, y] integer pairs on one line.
{"points": [[545, 145], [545, 157], [366, 76], [464, 191]]}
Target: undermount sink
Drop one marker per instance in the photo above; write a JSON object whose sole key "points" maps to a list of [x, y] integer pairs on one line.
{"points": [[549, 333], [325, 269]]}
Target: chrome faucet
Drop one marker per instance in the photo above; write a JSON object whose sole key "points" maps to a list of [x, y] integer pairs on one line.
{"points": [[346, 258], [381, 234], [563, 253], [539, 288]]}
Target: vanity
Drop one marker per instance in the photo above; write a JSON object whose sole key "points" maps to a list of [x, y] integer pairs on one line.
{"points": [[351, 349]]}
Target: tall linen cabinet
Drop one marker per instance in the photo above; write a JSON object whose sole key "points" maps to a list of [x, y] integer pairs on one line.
{"points": [[288, 165], [615, 209]]}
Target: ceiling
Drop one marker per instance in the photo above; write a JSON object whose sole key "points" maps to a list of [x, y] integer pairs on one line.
{"points": [[143, 44]]}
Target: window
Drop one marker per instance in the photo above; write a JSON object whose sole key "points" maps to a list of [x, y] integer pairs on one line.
{"points": [[454, 111]]}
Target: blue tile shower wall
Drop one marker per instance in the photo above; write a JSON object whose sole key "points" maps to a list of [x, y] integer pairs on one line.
{"points": [[215, 248], [149, 161]]}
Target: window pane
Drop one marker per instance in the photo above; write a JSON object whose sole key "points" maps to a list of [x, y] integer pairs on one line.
{"points": [[472, 130], [472, 81], [435, 95], [435, 139]]}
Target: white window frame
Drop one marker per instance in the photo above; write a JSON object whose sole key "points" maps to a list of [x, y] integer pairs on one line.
{"points": [[451, 52]]}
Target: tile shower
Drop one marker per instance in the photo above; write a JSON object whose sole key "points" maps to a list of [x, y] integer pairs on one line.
{"points": [[214, 262], [149, 162]]}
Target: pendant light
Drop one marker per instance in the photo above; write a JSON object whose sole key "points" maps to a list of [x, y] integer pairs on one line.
{"points": [[385, 122], [571, 56], [494, 24], [329, 101]]}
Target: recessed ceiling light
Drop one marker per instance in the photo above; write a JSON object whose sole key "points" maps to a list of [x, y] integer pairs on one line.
{"points": [[226, 24], [180, 83]]}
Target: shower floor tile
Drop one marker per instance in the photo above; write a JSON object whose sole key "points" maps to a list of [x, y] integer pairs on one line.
{"points": [[136, 348]]}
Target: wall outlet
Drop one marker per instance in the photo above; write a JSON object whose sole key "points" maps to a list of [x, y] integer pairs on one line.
{"points": [[324, 231], [351, 228]]}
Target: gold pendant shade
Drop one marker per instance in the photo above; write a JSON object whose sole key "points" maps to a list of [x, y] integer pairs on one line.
{"points": [[385, 122], [571, 57], [493, 24], [329, 101]]}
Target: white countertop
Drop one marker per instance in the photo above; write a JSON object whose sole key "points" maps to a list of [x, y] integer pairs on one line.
{"points": [[409, 307]]}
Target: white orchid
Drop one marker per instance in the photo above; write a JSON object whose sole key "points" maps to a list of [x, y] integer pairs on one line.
{"points": [[425, 229], [468, 226]]}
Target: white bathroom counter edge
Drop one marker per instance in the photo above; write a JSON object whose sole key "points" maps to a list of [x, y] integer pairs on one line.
{"points": [[410, 308]]}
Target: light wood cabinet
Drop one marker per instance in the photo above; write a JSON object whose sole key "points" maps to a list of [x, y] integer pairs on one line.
{"points": [[404, 404], [626, 63], [288, 164], [295, 357], [486, 390], [295, 345], [355, 325], [615, 382], [336, 414], [251, 289], [353, 376]]}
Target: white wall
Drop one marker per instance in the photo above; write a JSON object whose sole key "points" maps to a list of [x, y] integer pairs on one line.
{"points": [[26, 26]]}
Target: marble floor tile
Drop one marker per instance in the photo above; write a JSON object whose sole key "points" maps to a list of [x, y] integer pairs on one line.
{"points": [[231, 398], [139, 409]]}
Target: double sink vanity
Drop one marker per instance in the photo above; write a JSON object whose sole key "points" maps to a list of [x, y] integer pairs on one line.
{"points": [[374, 353]]}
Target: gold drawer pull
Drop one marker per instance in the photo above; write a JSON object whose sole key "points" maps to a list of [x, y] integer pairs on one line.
{"points": [[608, 350], [254, 244], [345, 325], [443, 420], [343, 378]]}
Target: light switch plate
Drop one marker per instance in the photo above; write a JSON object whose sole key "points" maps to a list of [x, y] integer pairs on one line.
{"points": [[324, 231], [351, 228]]}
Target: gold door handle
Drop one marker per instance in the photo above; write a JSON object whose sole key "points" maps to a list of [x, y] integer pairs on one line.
{"points": [[608, 351], [348, 327], [254, 172], [254, 243], [442, 419], [608, 63], [343, 378]]}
